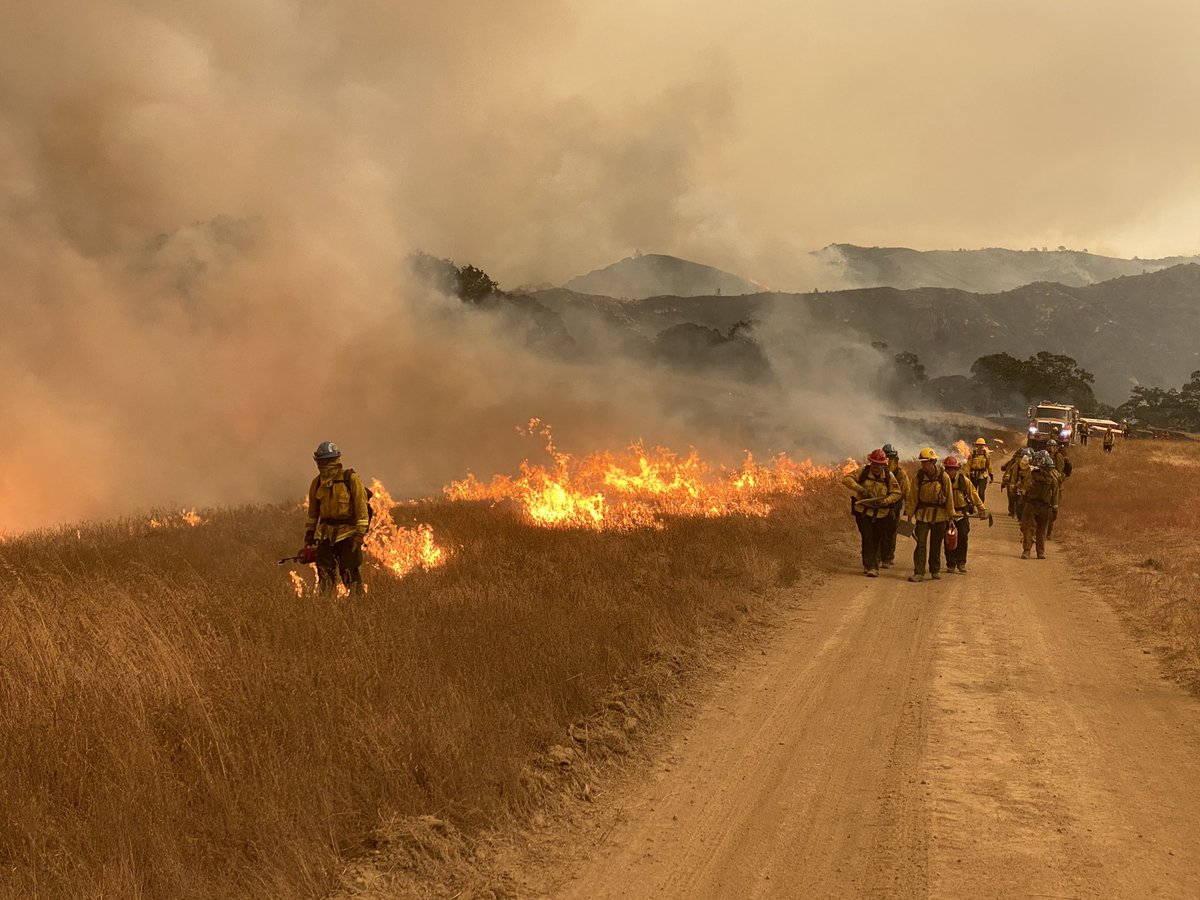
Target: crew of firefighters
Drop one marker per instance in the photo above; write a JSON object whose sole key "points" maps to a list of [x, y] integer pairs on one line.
{"points": [[939, 502]]}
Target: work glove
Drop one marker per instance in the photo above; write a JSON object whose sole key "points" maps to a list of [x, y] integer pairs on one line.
{"points": [[310, 538], [358, 540]]}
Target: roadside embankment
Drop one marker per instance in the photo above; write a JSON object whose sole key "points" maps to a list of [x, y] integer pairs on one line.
{"points": [[1129, 522]]}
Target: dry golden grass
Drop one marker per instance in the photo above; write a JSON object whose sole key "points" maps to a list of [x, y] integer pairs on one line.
{"points": [[175, 722], [1129, 521]]}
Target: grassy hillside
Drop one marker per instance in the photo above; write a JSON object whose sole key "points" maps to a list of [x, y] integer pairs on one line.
{"points": [[176, 722]]}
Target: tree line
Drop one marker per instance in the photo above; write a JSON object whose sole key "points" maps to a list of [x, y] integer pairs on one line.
{"points": [[1000, 382]]}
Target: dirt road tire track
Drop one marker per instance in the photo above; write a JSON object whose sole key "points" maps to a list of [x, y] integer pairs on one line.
{"points": [[989, 735]]}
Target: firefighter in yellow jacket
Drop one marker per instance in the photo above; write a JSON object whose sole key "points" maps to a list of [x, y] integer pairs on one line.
{"points": [[338, 519], [876, 491], [979, 467], [1042, 492], [967, 503], [931, 502]]}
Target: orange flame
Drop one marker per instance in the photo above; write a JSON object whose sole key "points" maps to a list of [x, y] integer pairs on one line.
{"points": [[639, 487], [396, 549], [186, 517]]}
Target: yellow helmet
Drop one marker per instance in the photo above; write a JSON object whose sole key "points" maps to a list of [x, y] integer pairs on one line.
{"points": [[980, 442], [927, 453]]}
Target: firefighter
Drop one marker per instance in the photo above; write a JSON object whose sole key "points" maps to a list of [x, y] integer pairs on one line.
{"points": [[1083, 434], [338, 518], [1010, 479], [1110, 438], [889, 539], [1042, 492], [967, 503], [979, 465], [1062, 467], [1125, 428], [876, 491], [931, 502]]}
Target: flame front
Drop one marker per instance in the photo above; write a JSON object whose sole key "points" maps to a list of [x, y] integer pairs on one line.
{"points": [[396, 549], [639, 487]]}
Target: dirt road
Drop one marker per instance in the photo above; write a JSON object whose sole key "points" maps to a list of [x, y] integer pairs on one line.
{"points": [[997, 734]]}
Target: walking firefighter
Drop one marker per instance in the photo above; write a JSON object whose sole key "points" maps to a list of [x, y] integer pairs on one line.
{"points": [[1042, 491], [338, 520], [889, 538], [930, 502], [1062, 466], [1014, 472], [967, 503], [1110, 438], [979, 467], [876, 491]]}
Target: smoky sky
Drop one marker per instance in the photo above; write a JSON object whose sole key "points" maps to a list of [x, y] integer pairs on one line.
{"points": [[205, 206]]}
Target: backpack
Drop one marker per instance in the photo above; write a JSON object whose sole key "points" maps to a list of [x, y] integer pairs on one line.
{"points": [[345, 479], [1066, 467], [1041, 490], [370, 494]]}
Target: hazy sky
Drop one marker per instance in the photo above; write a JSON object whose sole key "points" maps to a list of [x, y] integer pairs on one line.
{"points": [[536, 139]]}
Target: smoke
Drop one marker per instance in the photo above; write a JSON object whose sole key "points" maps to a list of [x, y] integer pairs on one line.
{"points": [[205, 209]]}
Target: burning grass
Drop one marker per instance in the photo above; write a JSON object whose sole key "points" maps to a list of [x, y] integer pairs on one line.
{"points": [[1130, 525], [174, 721]]}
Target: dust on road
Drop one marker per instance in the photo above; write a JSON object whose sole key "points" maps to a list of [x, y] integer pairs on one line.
{"points": [[997, 734]]}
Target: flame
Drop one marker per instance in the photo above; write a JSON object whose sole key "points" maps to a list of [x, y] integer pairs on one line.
{"points": [[297, 583], [396, 549], [186, 517], [962, 450], [638, 488]]}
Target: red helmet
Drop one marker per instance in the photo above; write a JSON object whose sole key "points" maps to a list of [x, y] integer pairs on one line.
{"points": [[877, 458], [950, 462]]}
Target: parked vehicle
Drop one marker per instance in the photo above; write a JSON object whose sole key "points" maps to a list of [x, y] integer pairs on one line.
{"points": [[1052, 420]]}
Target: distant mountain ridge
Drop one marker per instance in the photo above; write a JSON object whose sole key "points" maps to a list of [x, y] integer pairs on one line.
{"points": [[989, 270], [657, 275], [1127, 330]]}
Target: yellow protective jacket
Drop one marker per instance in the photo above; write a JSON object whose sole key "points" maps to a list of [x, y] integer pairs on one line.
{"points": [[337, 509], [901, 476], [930, 497], [1060, 461], [965, 494], [1110, 438], [1042, 486], [876, 496], [980, 463], [1014, 474]]}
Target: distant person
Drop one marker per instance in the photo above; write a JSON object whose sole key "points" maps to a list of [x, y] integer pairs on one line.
{"points": [[1083, 434], [967, 503], [1125, 428], [931, 502], [979, 467], [1109, 439], [889, 539], [338, 519], [876, 491], [1042, 487]]}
